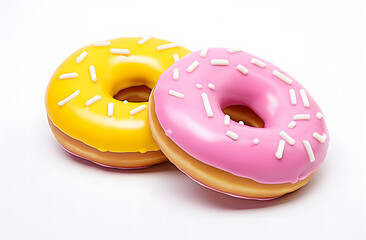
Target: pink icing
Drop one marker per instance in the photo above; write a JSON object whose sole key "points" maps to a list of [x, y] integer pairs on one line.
{"points": [[186, 122]]}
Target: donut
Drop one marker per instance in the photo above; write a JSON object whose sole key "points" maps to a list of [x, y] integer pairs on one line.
{"points": [[97, 98], [237, 124]]}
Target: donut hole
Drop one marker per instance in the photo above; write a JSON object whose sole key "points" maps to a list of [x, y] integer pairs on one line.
{"points": [[134, 94], [242, 113]]}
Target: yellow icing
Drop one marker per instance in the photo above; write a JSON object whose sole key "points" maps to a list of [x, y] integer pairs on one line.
{"points": [[91, 124]]}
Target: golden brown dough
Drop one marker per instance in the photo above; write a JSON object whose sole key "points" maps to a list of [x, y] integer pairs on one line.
{"points": [[211, 176], [109, 159]]}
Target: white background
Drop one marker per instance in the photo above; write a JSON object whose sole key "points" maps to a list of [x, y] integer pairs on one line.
{"points": [[46, 193]]}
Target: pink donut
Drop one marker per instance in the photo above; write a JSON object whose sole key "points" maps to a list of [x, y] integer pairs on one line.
{"points": [[192, 130]]}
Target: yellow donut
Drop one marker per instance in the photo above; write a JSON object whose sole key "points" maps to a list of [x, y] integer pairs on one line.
{"points": [[89, 114]]}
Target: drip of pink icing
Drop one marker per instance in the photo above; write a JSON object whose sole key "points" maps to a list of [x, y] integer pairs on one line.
{"points": [[185, 120]]}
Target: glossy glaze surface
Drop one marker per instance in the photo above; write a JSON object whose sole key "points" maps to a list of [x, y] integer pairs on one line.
{"points": [[107, 123], [244, 151]]}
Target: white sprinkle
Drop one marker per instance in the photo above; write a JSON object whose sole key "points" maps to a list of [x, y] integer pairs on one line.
{"points": [[320, 138], [120, 51], [93, 100], [175, 57], [241, 122], [304, 98], [144, 40], [69, 98], [110, 109], [211, 86], [287, 137], [227, 120], [309, 150], [242, 69], [167, 46], [292, 124], [256, 141], [234, 50], [93, 74], [220, 62], [68, 76], [198, 86], [232, 135], [207, 105], [125, 101], [137, 110], [282, 77], [301, 117], [102, 44], [176, 74], [319, 115], [81, 57], [193, 66], [203, 52], [293, 97], [176, 94], [258, 63], [280, 149]]}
